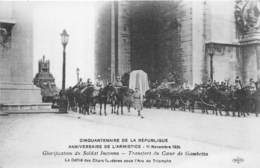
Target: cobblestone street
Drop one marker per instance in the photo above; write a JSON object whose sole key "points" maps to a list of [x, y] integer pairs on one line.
{"points": [[25, 136]]}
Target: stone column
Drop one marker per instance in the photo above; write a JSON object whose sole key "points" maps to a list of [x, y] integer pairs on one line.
{"points": [[258, 61], [16, 60], [123, 38], [113, 42]]}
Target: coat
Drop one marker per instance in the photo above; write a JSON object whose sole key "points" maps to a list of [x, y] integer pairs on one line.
{"points": [[137, 101]]}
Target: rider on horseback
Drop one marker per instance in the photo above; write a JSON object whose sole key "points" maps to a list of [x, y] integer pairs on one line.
{"points": [[79, 84], [89, 82], [252, 85], [238, 83], [118, 83], [99, 83]]}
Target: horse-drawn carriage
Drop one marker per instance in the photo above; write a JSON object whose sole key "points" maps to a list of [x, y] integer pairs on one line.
{"points": [[84, 98], [219, 99]]}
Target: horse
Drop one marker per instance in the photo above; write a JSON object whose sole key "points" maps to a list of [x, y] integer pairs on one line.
{"points": [[106, 95], [78, 98], [242, 97], [255, 102], [90, 98], [151, 97], [71, 98], [123, 96]]}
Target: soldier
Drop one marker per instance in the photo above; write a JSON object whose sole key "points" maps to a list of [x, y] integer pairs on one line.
{"points": [[185, 85], [79, 84], [163, 85], [238, 84], [118, 82], [99, 83], [209, 82], [109, 84], [252, 85], [138, 101], [89, 82], [63, 102]]}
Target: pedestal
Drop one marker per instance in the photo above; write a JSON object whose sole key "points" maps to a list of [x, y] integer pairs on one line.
{"points": [[21, 98], [250, 50]]}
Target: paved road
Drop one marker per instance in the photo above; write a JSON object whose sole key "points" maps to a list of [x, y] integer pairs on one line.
{"points": [[229, 141]]}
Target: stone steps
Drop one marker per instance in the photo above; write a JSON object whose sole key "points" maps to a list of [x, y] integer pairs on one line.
{"points": [[34, 108]]}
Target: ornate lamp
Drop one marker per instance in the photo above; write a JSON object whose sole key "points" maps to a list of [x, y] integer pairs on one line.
{"points": [[64, 38], [63, 100], [64, 41]]}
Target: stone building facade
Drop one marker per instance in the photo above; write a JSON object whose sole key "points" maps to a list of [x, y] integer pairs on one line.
{"points": [[16, 58], [113, 41], [197, 40]]}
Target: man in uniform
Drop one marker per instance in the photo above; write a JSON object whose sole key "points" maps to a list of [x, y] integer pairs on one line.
{"points": [[164, 84], [79, 84], [118, 82], [238, 84], [99, 83], [252, 85], [209, 83], [138, 105], [89, 82]]}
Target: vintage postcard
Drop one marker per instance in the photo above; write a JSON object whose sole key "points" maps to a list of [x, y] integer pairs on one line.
{"points": [[130, 84]]}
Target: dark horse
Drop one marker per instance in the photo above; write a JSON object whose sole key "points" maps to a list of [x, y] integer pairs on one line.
{"points": [[90, 98], [123, 96], [247, 101], [106, 95], [77, 98]]}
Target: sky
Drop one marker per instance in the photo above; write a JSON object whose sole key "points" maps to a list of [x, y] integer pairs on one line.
{"points": [[79, 19]]}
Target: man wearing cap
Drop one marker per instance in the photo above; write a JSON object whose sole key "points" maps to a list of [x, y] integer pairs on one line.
{"points": [[99, 83], [252, 85], [89, 82], [238, 84], [138, 101], [118, 82], [79, 84]]}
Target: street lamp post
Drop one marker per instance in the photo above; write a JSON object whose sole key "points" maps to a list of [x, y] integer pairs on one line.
{"points": [[211, 53], [64, 41], [63, 100]]}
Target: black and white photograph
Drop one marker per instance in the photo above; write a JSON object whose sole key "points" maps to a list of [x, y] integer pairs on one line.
{"points": [[130, 84]]}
